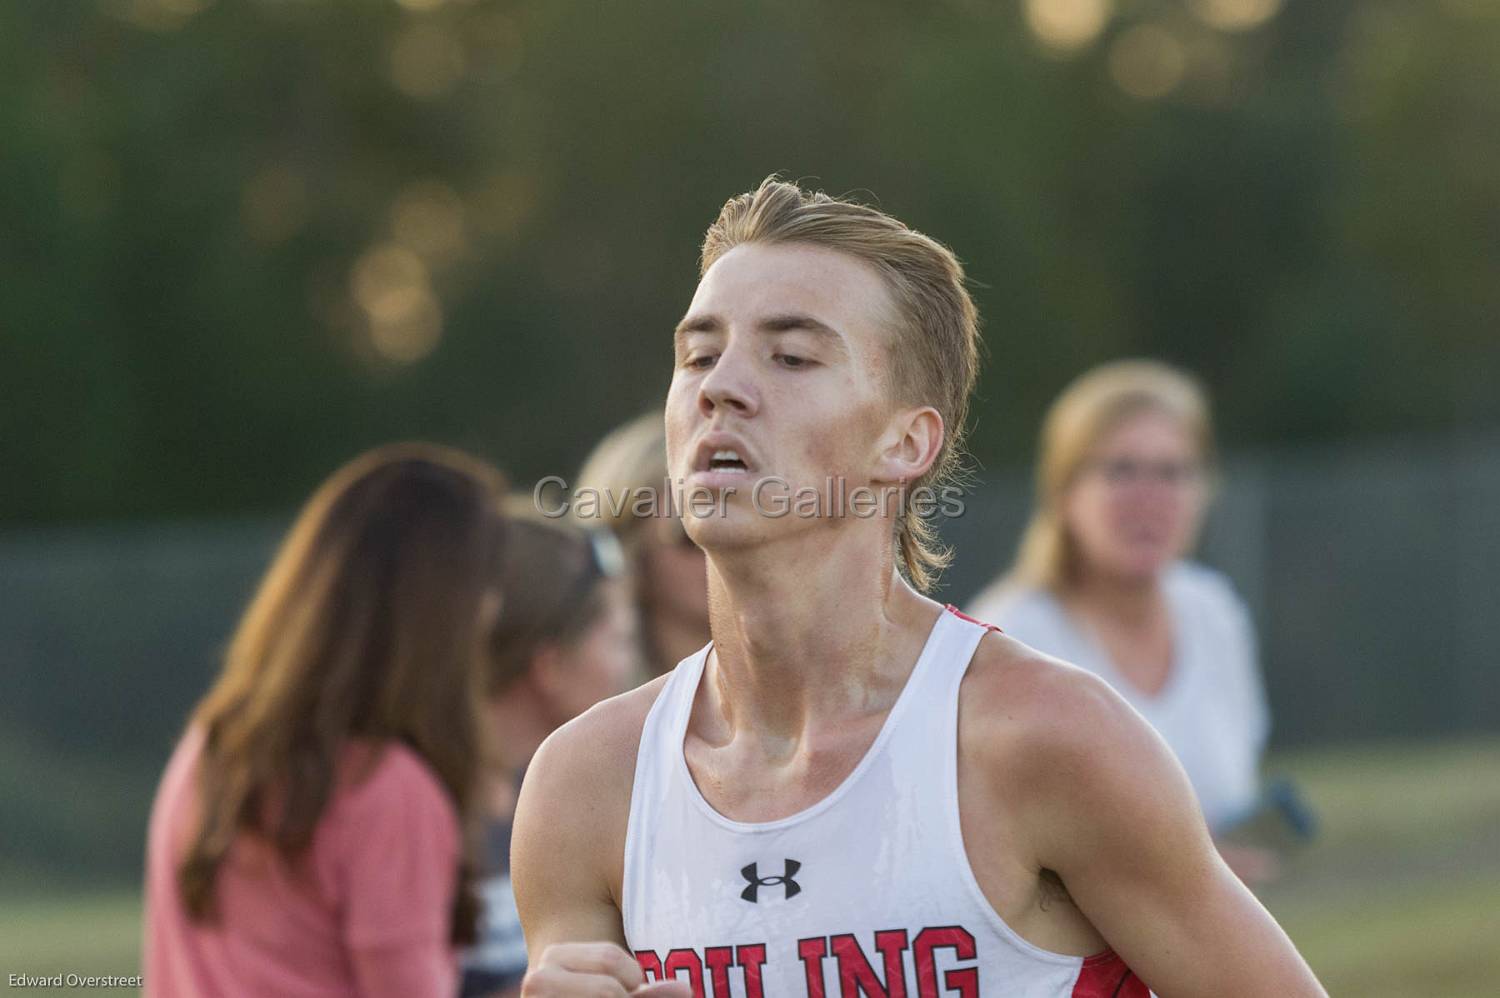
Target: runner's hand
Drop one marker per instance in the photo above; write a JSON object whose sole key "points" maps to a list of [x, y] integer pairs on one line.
{"points": [[594, 970]]}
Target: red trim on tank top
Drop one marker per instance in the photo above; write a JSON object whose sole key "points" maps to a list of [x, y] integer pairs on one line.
{"points": [[964, 616], [1105, 975]]}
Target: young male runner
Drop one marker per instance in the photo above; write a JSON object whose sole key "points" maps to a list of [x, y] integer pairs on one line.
{"points": [[853, 791]]}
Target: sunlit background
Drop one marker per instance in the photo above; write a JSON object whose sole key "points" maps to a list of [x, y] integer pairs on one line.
{"points": [[240, 242]]}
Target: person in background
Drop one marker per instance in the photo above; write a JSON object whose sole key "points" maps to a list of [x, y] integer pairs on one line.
{"points": [[1101, 580], [669, 572], [567, 639], [308, 835]]}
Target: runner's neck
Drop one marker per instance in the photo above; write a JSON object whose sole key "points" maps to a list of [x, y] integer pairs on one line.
{"points": [[807, 643]]}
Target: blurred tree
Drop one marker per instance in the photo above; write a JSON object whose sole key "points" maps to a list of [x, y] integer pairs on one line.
{"points": [[239, 242]]}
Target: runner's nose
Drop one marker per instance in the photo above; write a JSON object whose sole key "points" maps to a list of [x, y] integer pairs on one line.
{"points": [[728, 385]]}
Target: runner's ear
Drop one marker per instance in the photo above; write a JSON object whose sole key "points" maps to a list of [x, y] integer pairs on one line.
{"points": [[910, 445]]}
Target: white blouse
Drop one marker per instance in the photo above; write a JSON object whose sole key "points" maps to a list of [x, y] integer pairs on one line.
{"points": [[1212, 710]]}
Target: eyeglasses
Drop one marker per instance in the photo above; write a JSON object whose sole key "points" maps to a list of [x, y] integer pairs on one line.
{"points": [[1128, 471]]}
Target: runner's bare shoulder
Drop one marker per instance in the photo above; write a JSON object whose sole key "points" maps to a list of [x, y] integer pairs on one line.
{"points": [[1035, 720], [568, 844], [589, 762]]}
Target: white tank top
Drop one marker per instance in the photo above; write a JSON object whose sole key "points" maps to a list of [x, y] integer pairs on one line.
{"points": [[866, 893]]}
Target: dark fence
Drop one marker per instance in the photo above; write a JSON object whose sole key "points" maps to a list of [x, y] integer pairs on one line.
{"points": [[1373, 571]]}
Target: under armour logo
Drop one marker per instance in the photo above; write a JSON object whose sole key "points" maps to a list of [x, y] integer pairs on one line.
{"points": [[756, 881]]}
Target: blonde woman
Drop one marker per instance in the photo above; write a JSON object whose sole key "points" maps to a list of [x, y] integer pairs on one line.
{"points": [[669, 572], [1123, 479]]}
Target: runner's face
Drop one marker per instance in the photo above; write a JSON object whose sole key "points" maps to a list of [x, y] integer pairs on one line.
{"points": [[782, 359]]}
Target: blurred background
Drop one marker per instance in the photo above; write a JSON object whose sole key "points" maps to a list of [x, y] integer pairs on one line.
{"points": [[241, 242]]}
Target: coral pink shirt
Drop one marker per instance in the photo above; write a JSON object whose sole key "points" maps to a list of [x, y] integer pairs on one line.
{"points": [[367, 914]]}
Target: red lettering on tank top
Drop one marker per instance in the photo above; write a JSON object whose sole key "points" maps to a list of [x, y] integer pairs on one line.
{"points": [[685, 959], [750, 959], [650, 964], [708, 971], [718, 960], [811, 953], [962, 980], [857, 977]]}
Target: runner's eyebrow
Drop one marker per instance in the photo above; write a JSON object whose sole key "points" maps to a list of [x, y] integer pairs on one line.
{"points": [[781, 322], [696, 324], [788, 321]]}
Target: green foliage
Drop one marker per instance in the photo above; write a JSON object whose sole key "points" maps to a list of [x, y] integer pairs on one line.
{"points": [[193, 319]]}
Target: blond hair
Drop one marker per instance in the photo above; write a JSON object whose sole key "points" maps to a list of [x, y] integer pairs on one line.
{"points": [[1087, 410], [630, 462], [935, 360]]}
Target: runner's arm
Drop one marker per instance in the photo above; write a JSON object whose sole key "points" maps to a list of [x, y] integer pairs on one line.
{"points": [[1115, 817], [569, 829], [557, 872]]}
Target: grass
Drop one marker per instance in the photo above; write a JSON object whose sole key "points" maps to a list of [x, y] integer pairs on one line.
{"points": [[72, 933], [1434, 941], [1399, 897]]}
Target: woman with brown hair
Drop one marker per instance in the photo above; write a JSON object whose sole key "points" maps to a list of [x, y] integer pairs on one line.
{"points": [[308, 836], [567, 640]]}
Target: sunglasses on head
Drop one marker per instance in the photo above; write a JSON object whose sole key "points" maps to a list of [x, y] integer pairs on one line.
{"points": [[606, 559]]}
